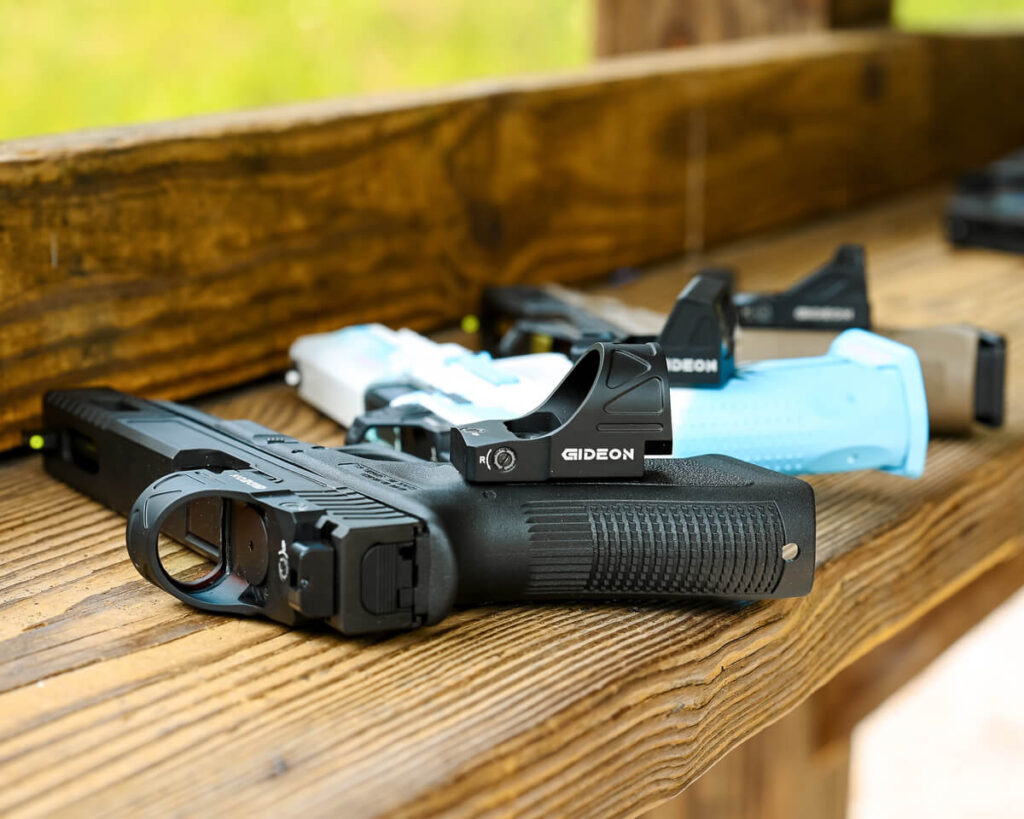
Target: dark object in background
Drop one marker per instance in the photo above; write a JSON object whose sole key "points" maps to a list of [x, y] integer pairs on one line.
{"points": [[697, 335], [987, 209], [514, 320], [964, 366], [370, 540], [833, 297]]}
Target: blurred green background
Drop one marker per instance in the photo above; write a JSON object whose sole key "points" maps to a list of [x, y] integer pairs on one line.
{"points": [[67, 64]]}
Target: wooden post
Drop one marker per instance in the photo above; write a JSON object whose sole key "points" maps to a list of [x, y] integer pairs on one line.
{"points": [[781, 773], [627, 26], [857, 13]]}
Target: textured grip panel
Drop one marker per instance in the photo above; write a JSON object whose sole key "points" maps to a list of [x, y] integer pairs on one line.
{"points": [[634, 548]]}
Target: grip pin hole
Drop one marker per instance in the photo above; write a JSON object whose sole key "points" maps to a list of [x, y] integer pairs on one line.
{"points": [[790, 552]]}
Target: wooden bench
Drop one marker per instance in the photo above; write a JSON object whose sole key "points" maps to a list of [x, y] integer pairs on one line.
{"points": [[184, 257], [114, 693]]}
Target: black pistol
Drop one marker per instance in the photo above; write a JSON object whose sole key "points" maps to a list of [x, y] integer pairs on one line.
{"points": [[519, 319], [371, 540], [964, 366], [987, 207]]}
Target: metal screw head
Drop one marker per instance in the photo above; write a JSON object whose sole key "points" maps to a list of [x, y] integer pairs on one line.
{"points": [[505, 459], [790, 552]]}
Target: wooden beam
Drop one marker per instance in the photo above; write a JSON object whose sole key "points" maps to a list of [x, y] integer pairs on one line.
{"points": [[859, 13], [971, 116], [631, 26], [780, 773], [865, 685], [182, 257]]}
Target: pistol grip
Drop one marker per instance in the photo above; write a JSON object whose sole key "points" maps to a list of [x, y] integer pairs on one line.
{"points": [[861, 406], [674, 549]]}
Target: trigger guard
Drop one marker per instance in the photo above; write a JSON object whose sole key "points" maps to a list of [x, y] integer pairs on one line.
{"points": [[145, 520]]}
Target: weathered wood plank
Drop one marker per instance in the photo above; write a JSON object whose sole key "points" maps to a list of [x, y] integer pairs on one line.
{"points": [[182, 257], [111, 692], [869, 682], [799, 766], [781, 773], [630, 26]]}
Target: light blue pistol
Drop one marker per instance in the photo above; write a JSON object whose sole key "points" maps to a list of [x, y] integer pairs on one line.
{"points": [[860, 406]]}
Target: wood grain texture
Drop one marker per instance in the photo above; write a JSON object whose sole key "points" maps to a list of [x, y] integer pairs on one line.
{"points": [[869, 682], [630, 26], [111, 692], [177, 258], [799, 766], [780, 773]]}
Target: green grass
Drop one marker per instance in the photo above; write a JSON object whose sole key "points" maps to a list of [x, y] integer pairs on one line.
{"points": [[926, 13], [67, 64]]}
